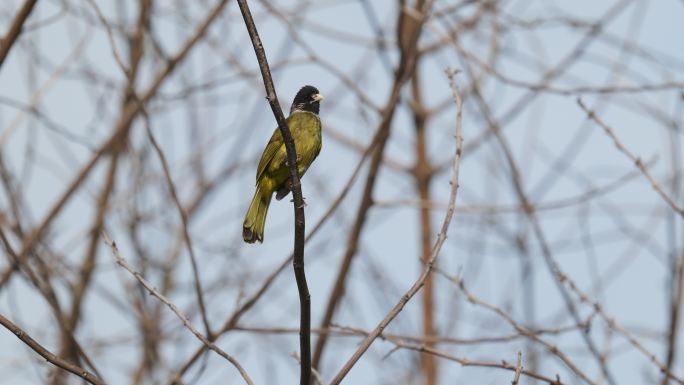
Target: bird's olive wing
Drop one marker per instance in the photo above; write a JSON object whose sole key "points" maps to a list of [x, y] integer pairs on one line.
{"points": [[269, 152]]}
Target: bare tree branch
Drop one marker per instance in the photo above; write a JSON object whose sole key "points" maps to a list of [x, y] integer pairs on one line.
{"points": [[441, 237], [186, 322], [50, 357], [296, 188], [637, 161], [15, 28]]}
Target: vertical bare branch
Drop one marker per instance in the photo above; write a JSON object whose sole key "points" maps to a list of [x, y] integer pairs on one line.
{"points": [[441, 237], [408, 51], [296, 188], [422, 173]]}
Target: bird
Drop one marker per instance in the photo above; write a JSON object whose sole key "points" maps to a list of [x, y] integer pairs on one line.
{"points": [[273, 174]]}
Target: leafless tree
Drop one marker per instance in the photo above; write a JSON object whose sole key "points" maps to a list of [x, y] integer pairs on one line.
{"points": [[498, 199]]}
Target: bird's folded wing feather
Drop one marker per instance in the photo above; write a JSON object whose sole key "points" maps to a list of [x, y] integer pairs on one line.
{"points": [[269, 152]]}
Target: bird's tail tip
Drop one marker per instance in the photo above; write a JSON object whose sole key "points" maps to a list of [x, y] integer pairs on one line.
{"points": [[251, 236]]}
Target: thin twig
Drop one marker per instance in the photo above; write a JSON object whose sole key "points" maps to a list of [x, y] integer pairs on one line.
{"points": [[518, 370], [184, 224], [50, 357], [553, 349], [186, 322], [348, 331], [617, 327], [441, 237], [15, 29], [551, 264], [637, 160], [408, 52]]}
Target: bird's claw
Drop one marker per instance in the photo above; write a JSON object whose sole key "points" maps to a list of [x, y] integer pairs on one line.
{"points": [[303, 202]]}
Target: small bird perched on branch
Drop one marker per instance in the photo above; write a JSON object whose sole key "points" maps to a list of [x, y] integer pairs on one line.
{"points": [[273, 174]]}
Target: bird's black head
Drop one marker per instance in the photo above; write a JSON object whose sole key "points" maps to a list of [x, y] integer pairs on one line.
{"points": [[307, 99]]}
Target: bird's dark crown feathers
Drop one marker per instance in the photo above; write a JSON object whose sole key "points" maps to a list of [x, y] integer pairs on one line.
{"points": [[305, 100]]}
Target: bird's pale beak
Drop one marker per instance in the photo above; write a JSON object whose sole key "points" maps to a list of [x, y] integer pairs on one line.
{"points": [[318, 97]]}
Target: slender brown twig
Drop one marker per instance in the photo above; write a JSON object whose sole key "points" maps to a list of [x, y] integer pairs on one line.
{"points": [[441, 237], [518, 370], [50, 357], [637, 161], [422, 173], [184, 224], [617, 327], [15, 28], [409, 31], [186, 322], [553, 349]]}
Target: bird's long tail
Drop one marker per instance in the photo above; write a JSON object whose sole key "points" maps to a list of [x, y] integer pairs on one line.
{"points": [[255, 219]]}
